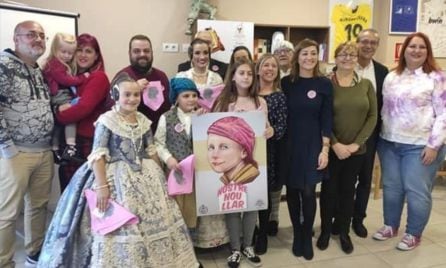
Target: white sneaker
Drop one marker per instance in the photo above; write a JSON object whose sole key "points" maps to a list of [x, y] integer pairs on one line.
{"points": [[250, 255], [385, 233], [408, 242], [234, 259]]}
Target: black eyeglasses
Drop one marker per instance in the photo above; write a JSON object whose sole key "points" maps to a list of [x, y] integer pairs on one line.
{"points": [[34, 35]]}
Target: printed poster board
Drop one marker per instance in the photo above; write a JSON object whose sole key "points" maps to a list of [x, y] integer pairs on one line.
{"points": [[403, 16], [228, 35], [225, 176], [432, 21]]}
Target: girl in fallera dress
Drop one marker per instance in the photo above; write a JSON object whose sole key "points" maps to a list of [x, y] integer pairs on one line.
{"points": [[124, 167], [239, 95]]}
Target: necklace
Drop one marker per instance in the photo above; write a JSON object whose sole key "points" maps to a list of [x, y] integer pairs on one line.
{"points": [[134, 137], [135, 133], [194, 73], [125, 117]]}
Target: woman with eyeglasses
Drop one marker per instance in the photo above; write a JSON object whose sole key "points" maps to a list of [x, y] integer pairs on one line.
{"points": [[411, 146], [354, 118]]}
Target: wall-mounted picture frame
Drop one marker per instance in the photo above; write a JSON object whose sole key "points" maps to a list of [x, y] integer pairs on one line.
{"points": [[397, 51], [432, 22], [403, 17]]}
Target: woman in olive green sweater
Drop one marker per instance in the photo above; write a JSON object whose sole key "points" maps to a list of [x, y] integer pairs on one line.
{"points": [[354, 118]]}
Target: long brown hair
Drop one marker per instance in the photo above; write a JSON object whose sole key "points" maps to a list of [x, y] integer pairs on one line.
{"points": [[295, 60], [429, 64], [229, 93]]}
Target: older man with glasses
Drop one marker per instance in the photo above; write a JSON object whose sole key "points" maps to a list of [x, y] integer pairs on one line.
{"points": [[284, 53], [26, 160], [367, 67]]}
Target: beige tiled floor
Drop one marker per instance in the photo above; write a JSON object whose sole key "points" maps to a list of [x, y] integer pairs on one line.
{"points": [[367, 252]]}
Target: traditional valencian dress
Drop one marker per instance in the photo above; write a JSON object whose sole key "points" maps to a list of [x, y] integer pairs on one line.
{"points": [[160, 239]]}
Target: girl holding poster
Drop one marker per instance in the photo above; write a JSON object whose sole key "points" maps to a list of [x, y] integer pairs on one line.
{"points": [[240, 95]]}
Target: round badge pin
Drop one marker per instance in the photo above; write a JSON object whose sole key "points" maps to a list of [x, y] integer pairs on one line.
{"points": [[311, 94], [214, 68], [179, 127]]}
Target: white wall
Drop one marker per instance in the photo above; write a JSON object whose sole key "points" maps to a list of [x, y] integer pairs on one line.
{"points": [[114, 22]]}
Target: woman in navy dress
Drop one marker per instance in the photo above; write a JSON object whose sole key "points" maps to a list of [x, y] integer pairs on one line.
{"points": [[310, 103]]}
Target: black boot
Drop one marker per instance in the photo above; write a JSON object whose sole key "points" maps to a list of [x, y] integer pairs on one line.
{"points": [[298, 243], [308, 245], [261, 245], [359, 228], [346, 243], [323, 240]]}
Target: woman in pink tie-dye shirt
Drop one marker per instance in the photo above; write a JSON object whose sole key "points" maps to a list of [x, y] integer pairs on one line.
{"points": [[412, 138]]}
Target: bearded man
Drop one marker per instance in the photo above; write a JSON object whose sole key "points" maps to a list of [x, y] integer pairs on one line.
{"points": [[154, 81]]}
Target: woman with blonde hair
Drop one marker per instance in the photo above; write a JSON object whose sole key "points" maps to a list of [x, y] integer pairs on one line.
{"points": [[267, 84]]}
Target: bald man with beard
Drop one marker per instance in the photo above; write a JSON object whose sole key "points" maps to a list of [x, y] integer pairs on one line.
{"points": [[26, 159]]}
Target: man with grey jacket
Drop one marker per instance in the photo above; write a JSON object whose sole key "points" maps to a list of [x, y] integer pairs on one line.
{"points": [[26, 160]]}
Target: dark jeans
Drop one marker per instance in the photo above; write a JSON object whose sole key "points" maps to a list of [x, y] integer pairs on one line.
{"points": [[338, 192], [365, 180]]}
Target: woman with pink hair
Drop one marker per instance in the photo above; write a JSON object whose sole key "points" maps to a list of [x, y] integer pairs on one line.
{"points": [[93, 94]]}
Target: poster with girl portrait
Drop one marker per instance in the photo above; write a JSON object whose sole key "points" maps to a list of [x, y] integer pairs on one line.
{"points": [[230, 162]]}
